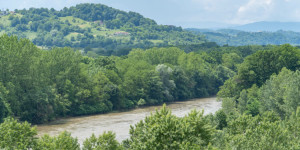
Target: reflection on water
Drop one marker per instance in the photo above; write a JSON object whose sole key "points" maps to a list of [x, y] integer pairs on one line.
{"points": [[83, 127]]}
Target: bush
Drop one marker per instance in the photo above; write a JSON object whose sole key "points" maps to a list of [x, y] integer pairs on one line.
{"points": [[106, 141], [15, 135]]}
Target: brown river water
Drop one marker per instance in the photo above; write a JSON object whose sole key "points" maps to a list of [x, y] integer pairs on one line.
{"points": [[84, 127]]}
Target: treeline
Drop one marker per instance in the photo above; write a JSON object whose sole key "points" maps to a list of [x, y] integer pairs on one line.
{"points": [[39, 86], [265, 81], [94, 26], [261, 103]]}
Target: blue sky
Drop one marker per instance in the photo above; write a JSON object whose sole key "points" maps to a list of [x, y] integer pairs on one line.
{"points": [[187, 13]]}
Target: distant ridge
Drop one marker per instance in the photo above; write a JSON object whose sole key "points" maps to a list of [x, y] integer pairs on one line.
{"points": [[269, 26], [235, 37]]}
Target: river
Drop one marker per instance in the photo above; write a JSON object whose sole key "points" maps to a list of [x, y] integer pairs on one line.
{"points": [[84, 127]]}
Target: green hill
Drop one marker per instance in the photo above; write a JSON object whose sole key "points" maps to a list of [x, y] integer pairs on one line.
{"points": [[96, 27]]}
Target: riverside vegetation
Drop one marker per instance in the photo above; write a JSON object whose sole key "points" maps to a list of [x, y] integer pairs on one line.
{"points": [[260, 96]]}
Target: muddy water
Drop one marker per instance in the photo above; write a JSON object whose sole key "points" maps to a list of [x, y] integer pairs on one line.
{"points": [[84, 127]]}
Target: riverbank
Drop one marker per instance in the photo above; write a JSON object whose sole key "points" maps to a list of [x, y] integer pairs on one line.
{"points": [[119, 122]]}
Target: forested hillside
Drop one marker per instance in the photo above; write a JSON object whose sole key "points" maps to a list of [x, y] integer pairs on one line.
{"points": [[238, 38], [93, 27]]}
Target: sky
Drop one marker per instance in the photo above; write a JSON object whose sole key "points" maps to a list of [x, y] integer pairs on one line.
{"points": [[187, 13]]}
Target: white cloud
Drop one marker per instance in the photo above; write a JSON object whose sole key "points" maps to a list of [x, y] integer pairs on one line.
{"points": [[255, 5], [254, 10]]}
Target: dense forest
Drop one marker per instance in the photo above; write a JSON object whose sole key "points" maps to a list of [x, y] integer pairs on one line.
{"points": [[39, 86], [259, 89], [93, 27], [239, 38]]}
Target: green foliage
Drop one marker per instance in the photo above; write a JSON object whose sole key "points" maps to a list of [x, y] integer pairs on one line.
{"points": [[15, 135], [258, 67], [293, 126], [27, 93], [141, 102], [94, 27], [229, 106], [265, 115], [260, 103], [168, 85], [260, 132], [61, 82], [229, 89], [221, 118], [63, 141], [231, 60], [106, 141], [248, 101], [162, 130], [4, 106], [280, 93]]}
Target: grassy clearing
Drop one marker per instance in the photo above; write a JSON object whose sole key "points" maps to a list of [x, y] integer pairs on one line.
{"points": [[74, 34], [85, 24], [76, 21], [2, 32], [30, 35], [104, 32], [4, 21], [156, 41]]}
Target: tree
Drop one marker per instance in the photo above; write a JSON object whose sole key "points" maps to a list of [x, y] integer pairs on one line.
{"points": [[34, 26], [22, 27], [231, 60], [15, 21], [162, 130], [281, 93], [169, 85], [4, 105], [106, 141], [15, 135], [63, 141], [260, 132], [183, 84], [258, 67]]}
